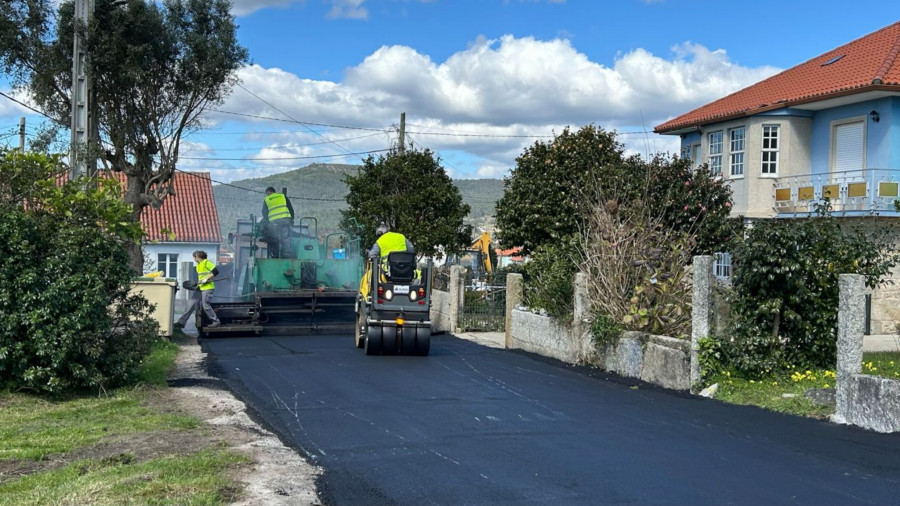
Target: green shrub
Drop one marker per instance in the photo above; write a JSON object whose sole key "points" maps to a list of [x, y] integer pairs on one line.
{"points": [[605, 330], [785, 299], [66, 319], [549, 280]]}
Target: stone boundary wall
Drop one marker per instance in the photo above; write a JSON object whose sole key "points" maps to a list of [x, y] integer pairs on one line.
{"points": [[659, 360], [542, 335], [871, 402]]}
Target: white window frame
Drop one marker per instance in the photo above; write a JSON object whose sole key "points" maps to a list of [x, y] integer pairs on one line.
{"points": [[769, 167], [833, 149], [736, 148], [722, 266], [716, 142], [165, 261]]}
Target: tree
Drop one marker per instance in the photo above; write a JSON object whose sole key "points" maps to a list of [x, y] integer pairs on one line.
{"points": [[155, 69], [545, 197], [411, 193]]}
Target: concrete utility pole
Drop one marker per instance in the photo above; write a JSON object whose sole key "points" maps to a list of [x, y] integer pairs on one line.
{"points": [[22, 134], [402, 132], [81, 163]]}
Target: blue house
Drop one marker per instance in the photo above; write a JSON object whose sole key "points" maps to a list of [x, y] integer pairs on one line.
{"points": [[827, 128]]}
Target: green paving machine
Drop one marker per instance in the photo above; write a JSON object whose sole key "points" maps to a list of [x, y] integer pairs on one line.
{"points": [[312, 290]]}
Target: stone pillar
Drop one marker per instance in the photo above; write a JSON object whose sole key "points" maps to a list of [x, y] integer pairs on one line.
{"points": [[851, 325], [457, 294], [701, 312], [515, 294], [580, 314]]}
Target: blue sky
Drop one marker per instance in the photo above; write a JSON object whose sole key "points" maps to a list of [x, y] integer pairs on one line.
{"points": [[480, 80]]}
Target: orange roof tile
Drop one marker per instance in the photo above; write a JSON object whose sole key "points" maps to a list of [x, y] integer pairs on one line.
{"points": [[190, 214], [869, 63]]}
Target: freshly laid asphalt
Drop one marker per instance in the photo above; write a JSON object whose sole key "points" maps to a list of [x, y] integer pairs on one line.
{"points": [[471, 424]]}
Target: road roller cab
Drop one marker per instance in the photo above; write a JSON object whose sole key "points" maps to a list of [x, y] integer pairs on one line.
{"points": [[394, 306]]}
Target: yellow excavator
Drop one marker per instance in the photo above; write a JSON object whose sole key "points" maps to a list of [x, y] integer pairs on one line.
{"points": [[481, 251]]}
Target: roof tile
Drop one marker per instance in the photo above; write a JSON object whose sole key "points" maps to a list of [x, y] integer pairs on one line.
{"points": [[868, 63]]}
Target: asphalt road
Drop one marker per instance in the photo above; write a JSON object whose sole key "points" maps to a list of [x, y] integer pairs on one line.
{"points": [[475, 425]]}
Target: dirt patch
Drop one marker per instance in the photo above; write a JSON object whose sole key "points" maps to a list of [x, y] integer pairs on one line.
{"points": [[277, 475]]}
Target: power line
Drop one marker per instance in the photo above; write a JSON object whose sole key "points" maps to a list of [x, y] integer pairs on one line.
{"points": [[26, 106], [286, 157], [289, 116], [192, 174], [292, 120], [257, 148]]}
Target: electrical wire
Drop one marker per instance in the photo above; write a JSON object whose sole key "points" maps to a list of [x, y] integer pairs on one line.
{"points": [[26, 106], [191, 173], [286, 157]]}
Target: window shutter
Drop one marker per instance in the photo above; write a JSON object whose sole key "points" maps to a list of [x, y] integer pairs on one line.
{"points": [[848, 147]]}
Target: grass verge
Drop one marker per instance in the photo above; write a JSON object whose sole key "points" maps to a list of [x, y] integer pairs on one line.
{"points": [[785, 393], [125, 447]]}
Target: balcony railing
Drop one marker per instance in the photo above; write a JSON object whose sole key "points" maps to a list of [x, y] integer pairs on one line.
{"points": [[850, 193]]}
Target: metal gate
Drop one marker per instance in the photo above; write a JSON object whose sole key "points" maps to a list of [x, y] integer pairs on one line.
{"points": [[484, 306]]}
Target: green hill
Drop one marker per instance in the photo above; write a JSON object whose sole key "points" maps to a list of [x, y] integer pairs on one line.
{"points": [[318, 190]]}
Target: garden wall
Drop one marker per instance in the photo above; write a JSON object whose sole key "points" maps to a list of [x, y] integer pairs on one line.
{"points": [[660, 360], [872, 402]]}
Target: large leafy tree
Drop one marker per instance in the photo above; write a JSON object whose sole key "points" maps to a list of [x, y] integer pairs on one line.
{"points": [[549, 192], [410, 192], [555, 188], [155, 68]]}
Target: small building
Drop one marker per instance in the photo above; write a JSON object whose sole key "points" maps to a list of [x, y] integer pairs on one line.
{"points": [[185, 222]]}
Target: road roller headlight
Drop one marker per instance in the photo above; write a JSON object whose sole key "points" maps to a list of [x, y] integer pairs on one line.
{"points": [[413, 295], [388, 295]]}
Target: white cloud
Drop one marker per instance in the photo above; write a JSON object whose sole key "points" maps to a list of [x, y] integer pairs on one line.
{"points": [[348, 9], [497, 89], [245, 7], [494, 93]]}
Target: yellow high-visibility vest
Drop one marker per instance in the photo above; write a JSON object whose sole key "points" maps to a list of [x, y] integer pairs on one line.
{"points": [[390, 242], [203, 269], [277, 205]]}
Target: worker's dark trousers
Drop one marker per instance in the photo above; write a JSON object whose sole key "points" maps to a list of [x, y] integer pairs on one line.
{"points": [[279, 239], [200, 298]]}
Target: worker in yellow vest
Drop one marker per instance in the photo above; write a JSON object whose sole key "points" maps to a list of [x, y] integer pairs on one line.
{"points": [[278, 218], [206, 271], [388, 242]]}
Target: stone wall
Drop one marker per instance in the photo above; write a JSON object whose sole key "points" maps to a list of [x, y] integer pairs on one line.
{"points": [[660, 360], [871, 402], [542, 335]]}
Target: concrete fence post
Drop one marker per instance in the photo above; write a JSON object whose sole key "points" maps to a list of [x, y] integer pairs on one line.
{"points": [[580, 313], [515, 294], [457, 295], [701, 311], [851, 325]]}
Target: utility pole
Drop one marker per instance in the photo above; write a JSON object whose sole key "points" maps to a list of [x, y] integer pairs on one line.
{"points": [[402, 132], [81, 162], [22, 134]]}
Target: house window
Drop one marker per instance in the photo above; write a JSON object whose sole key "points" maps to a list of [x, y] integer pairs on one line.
{"points": [[849, 146], [168, 263], [770, 147], [715, 153], [736, 136], [722, 266]]}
